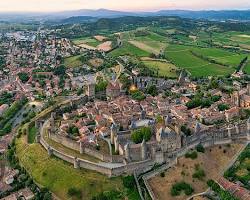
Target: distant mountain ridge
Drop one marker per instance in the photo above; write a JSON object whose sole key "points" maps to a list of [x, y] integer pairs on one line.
{"points": [[104, 13]]}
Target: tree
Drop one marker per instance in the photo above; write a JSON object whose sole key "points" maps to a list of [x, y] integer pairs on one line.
{"points": [[138, 135], [73, 130], [186, 130], [223, 107], [196, 102], [200, 148], [152, 90], [101, 86], [79, 91], [126, 82], [24, 77], [60, 71], [215, 98], [138, 95], [213, 84]]}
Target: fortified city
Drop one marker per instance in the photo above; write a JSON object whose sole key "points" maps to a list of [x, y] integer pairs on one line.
{"points": [[124, 105]]}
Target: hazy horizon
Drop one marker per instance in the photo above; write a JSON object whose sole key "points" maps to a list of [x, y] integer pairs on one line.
{"points": [[138, 5]]}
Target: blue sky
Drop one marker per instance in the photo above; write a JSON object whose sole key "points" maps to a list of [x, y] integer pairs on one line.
{"points": [[126, 5]]}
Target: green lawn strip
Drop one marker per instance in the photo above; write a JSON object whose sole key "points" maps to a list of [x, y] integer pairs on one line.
{"points": [[32, 134]]}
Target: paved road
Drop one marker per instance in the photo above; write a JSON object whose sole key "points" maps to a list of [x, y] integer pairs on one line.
{"points": [[18, 118]]}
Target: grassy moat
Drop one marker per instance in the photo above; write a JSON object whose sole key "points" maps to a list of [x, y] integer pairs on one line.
{"points": [[61, 178]]}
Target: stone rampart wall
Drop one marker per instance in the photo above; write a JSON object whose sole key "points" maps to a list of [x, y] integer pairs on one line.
{"points": [[67, 142], [71, 144]]}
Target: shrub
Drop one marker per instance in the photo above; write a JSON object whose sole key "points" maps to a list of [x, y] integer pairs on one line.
{"points": [[191, 154], [108, 195], [74, 192], [162, 174], [97, 147], [128, 182], [200, 148], [199, 173], [177, 188]]}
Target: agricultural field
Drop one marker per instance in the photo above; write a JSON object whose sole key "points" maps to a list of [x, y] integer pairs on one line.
{"points": [[247, 68], [129, 49], [87, 40], [196, 172], [182, 57], [152, 42], [235, 39], [59, 176], [105, 46], [165, 69], [241, 38], [188, 54], [221, 56], [73, 61]]}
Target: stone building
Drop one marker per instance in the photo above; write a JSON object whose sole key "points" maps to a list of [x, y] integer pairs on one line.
{"points": [[90, 90], [113, 90], [168, 139], [241, 98]]}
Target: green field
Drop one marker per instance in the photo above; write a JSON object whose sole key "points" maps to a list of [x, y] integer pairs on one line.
{"points": [[73, 61], [221, 56], [182, 57], [129, 49], [152, 43], [197, 60], [165, 69], [232, 38], [86, 40], [58, 176]]}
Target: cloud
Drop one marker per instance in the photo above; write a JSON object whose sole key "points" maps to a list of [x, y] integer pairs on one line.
{"points": [[58, 5]]}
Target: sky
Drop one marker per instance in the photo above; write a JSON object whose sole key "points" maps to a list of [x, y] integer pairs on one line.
{"points": [[123, 5]]}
